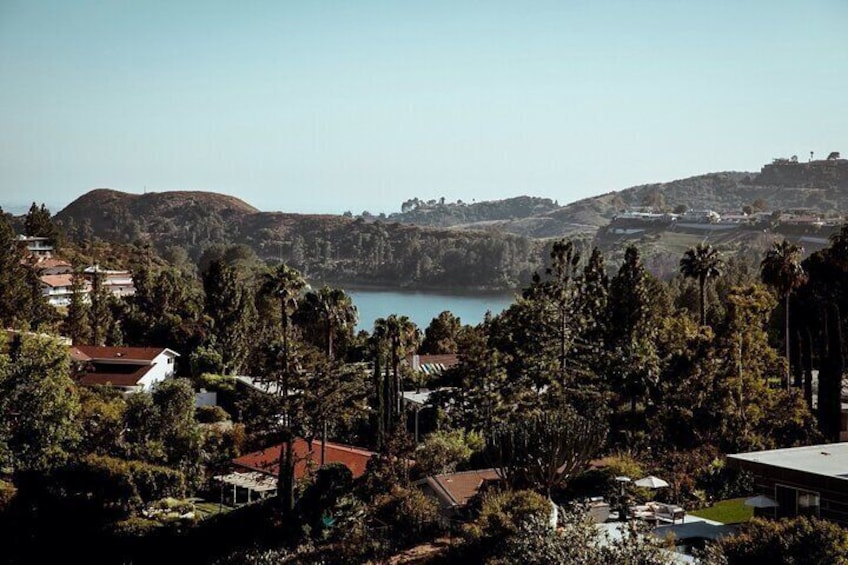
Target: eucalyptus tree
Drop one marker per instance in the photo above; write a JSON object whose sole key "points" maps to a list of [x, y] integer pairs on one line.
{"points": [[562, 289], [13, 290], [100, 315], [441, 335], [229, 304], [781, 269], [630, 338], [77, 320], [702, 262], [38, 404]]}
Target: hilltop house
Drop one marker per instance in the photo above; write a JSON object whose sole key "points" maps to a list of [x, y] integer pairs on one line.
{"points": [[130, 369]]}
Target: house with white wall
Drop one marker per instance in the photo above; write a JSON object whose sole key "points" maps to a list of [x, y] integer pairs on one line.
{"points": [[58, 289], [118, 283], [131, 369]]}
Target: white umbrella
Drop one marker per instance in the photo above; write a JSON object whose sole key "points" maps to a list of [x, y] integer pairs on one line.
{"points": [[761, 501], [651, 482]]}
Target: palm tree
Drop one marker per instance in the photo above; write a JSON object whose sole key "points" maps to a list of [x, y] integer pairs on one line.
{"points": [[401, 334], [285, 284], [781, 269], [338, 312], [702, 262]]}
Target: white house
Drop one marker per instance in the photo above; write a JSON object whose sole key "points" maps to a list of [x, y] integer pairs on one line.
{"points": [[131, 369], [58, 289], [38, 246], [119, 283]]}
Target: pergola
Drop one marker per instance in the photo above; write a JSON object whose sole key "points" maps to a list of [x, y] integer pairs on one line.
{"points": [[252, 481]]}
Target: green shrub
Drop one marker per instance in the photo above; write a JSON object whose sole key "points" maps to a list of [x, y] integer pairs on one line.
{"points": [[135, 527], [409, 513], [211, 414], [785, 542], [7, 493], [503, 513]]}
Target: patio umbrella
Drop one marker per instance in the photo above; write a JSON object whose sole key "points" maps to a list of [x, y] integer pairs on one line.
{"points": [[651, 482], [761, 501]]}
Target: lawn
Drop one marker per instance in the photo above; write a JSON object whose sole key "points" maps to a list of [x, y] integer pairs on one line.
{"points": [[727, 511], [206, 509]]}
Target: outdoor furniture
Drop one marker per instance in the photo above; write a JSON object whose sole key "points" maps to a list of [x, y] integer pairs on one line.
{"points": [[655, 513], [669, 512]]}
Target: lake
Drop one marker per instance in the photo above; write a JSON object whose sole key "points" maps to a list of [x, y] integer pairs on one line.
{"points": [[422, 307]]}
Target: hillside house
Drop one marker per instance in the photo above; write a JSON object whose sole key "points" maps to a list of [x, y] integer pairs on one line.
{"points": [[130, 369], [36, 246], [118, 283], [48, 266], [58, 289]]}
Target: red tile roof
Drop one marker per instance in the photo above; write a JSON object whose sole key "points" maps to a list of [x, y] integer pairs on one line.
{"points": [[45, 262], [114, 378], [57, 280], [93, 352], [455, 489], [268, 460]]}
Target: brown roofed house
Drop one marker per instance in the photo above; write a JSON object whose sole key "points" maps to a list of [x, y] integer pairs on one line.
{"points": [[131, 369], [306, 458], [454, 490]]}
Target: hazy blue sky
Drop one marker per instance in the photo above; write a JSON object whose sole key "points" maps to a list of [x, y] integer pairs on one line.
{"points": [[328, 106]]}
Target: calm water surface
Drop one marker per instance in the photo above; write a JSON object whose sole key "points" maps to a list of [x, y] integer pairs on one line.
{"points": [[422, 307]]}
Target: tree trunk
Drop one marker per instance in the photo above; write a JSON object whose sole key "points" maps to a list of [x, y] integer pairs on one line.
{"points": [[830, 378], [807, 357], [323, 441], [562, 344], [381, 406], [329, 340], [387, 400], [786, 337], [795, 364], [702, 283], [285, 478]]}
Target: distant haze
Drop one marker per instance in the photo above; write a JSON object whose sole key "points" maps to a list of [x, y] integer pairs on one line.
{"points": [[331, 106]]}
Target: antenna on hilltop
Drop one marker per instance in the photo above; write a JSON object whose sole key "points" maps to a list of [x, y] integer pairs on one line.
{"points": [[811, 156]]}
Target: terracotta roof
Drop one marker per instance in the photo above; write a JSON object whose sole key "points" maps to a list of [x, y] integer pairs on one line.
{"points": [[455, 489], [432, 363], [57, 280], [268, 460], [114, 378], [93, 352], [45, 262]]}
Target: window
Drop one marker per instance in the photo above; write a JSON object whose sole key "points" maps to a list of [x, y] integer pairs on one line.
{"points": [[795, 502], [808, 503]]}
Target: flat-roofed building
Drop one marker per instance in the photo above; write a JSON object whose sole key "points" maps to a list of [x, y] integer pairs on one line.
{"points": [[804, 481]]}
